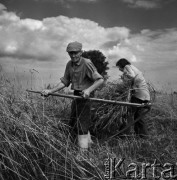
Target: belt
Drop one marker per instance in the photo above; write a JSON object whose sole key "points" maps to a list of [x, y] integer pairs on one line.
{"points": [[77, 92]]}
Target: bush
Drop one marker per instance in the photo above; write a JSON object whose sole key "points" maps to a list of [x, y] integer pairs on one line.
{"points": [[98, 59]]}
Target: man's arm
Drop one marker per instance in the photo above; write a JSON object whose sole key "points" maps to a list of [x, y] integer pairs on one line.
{"points": [[58, 87], [95, 85], [93, 74]]}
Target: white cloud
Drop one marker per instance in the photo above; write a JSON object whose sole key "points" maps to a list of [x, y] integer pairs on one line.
{"points": [[139, 48], [11, 47], [32, 24], [46, 40], [157, 45], [28, 43], [118, 52], [7, 18]]}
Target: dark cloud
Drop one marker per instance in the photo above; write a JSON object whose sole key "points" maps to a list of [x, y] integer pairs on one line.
{"points": [[147, 4], [67, 1]]}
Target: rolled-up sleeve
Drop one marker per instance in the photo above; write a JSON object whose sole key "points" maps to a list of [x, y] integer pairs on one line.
{"points": [[129, 72], [91, 71], [66, 80]]}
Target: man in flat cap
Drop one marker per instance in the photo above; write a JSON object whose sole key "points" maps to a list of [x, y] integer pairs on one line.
{"points": [[84, 79]]}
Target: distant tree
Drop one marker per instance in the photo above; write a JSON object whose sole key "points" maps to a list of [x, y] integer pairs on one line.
{"points": [[98, 59]]}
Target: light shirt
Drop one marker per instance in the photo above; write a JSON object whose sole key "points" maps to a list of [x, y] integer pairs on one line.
{"points": [[81, 75], [139, 84]]}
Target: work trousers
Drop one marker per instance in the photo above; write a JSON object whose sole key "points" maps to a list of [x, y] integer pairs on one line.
{"points": [[140, 127], [80, 118]]}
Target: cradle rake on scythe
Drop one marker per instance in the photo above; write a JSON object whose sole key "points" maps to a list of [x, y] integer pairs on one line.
{"points": [[122, 103]]}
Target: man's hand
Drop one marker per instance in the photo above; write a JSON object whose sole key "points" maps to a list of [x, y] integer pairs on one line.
{"points": [[45, 92], [86, 93]]}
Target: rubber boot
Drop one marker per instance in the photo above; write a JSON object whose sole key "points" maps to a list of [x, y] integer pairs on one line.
{"points": [[83, 142]]}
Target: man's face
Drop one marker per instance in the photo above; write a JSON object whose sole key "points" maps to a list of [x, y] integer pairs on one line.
{"points": [[75, 56]]}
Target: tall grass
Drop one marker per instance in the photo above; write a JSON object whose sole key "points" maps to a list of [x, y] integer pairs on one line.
{"points": [[35, 143], [34, 138]]}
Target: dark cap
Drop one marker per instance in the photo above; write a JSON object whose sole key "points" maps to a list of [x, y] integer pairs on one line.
{"points": [[74, 46]]}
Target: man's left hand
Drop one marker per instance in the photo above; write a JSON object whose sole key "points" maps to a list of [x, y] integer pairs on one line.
{"points": [[86, 93]]}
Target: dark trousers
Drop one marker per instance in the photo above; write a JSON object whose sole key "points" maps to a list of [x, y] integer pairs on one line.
{"points": [[140, 127], [80, 116]]}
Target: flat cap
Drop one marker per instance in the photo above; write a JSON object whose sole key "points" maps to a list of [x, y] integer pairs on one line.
{"points": [[74, 46]]}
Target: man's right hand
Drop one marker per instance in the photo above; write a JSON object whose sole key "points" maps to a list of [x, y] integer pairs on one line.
{"points": [[46, 92]]}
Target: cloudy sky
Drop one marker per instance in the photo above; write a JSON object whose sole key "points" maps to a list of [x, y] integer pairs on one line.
{"points": [[34, 35]]}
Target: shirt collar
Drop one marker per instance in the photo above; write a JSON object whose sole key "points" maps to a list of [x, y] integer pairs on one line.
{"points": [[78, 63]]}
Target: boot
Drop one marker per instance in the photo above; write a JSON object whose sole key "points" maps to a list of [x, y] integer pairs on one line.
{"points": [[83, 142]]}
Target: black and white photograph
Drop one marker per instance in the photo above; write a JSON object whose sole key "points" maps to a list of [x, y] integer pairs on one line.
{"points": [[88, 89]]}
